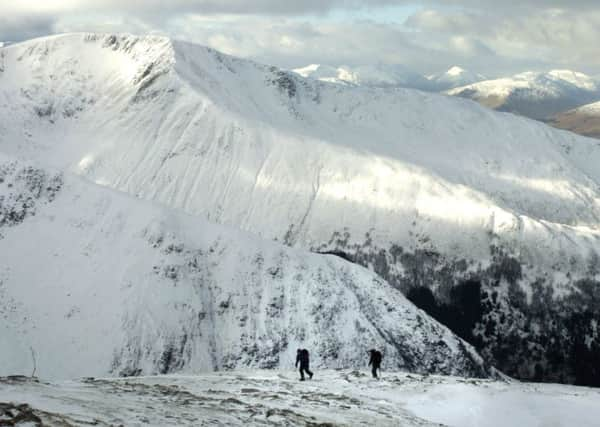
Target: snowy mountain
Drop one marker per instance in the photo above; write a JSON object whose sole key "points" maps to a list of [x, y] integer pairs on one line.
{"points": [[259, 398], [584, 120], [488, 221], [390, 76], [453, 78], [380, 76], [533, 94], [135, 288], [341, 75]]}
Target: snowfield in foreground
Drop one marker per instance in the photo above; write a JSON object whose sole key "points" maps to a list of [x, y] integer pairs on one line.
{"points": [[278, 398]]}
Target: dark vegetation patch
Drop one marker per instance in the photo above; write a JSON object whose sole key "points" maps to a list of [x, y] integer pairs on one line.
{"points": [[461, 313], [22, 189], [21, 414], [516, 322], [285, 83]]}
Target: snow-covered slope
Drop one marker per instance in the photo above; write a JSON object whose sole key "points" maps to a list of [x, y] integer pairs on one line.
{"points": [[93, 282], [489, 221], [453, 78], [584, 120], [259, 398], [533, 94]]}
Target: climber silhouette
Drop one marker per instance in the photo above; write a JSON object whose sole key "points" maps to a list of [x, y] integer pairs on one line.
{"points": [[303, 358]]}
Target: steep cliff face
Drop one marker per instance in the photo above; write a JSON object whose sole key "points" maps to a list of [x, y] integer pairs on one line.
{"points": [[488, 221], [94, 282]]}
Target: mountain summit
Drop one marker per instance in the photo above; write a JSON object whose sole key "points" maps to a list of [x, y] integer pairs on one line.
{"points": [[454, 77], [490, 222]]}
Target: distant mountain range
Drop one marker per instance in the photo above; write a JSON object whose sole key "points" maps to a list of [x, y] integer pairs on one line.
{"points": [[534, 95], [548, 96], [454, 77], [383, 75], [584, 120], [380, 75]]}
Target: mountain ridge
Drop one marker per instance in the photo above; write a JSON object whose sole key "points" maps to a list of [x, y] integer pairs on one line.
{"points": [[423, 189], [136, 288]]}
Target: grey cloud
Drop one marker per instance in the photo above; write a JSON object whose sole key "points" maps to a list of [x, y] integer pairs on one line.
{"points": [[555, 37], [149, 7], [16, 29], [492, 37]]}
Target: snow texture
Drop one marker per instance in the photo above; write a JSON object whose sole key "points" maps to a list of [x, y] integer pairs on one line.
{"points": [[258, 398]]}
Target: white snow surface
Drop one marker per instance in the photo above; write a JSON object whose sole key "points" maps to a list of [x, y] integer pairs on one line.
{"points": [[341, 398], [96, 282], [298, 160]]}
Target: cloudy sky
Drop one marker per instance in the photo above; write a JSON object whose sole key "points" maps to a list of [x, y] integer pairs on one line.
{"points": [[493, 37]]}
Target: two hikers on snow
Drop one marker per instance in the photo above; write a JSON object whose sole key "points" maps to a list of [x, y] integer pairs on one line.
{"points": [[303, 359]]}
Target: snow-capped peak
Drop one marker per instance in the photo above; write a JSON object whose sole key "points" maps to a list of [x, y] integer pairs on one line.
{"points": [[379, 75], [456, 71], [316, 71], [575, 78], [341, 75], [454, 77]]}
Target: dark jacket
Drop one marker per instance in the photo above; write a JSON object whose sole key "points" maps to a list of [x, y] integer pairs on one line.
{"points": [[375, 359], [302, 357]]}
